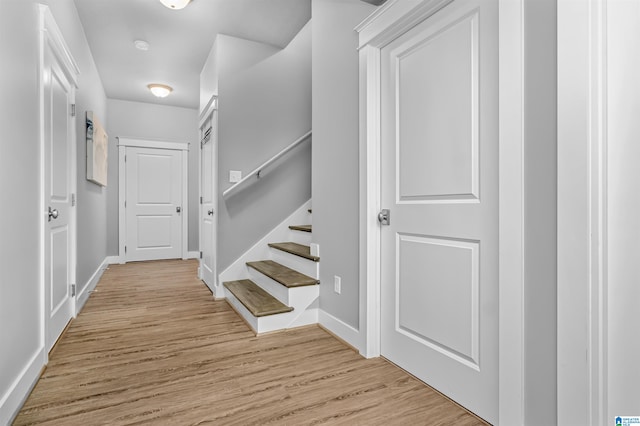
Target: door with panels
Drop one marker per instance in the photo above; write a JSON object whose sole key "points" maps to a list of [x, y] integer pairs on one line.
{"points": [[154, 205], [439, 180], [208, 200], [58, 74]]}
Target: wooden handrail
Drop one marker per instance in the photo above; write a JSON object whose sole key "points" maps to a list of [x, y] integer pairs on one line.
{"points": [[257, 171]]}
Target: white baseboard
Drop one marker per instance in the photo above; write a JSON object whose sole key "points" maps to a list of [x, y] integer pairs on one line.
{"points": [[113, 260], [193, 255], [16, 395], [84, 294], [341, 329]]}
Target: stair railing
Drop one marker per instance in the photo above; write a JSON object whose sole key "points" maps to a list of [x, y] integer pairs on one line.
{"points": [[255, 174]]}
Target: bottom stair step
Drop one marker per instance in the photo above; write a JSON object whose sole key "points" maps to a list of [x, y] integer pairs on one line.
{"points": [[255, 299]]}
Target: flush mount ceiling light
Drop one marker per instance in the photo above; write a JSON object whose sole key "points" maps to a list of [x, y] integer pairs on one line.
{"points": [[160, 90], [175, 4], [141, 45]]}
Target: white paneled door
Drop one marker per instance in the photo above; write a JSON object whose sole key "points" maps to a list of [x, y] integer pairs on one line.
{"points": [[439, 150], [208, 201], [58, 186], [154, 197]]}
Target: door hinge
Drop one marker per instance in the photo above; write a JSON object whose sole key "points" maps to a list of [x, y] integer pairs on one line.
{"points": [[200, 255], [73, 200], [125, 158], [73, 110], [73, 290], [125, 249], [200, 200], [125, 204]]}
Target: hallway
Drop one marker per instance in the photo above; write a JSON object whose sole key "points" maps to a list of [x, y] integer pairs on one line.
{"points": [[152, 347]]}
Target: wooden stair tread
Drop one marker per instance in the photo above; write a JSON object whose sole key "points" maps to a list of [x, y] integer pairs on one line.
{"points": [[255, 299], [286, 276], [295, 248], [303, 228]]}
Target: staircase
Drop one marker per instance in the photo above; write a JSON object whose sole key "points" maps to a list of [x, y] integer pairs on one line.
{"points": [[281, 291]]}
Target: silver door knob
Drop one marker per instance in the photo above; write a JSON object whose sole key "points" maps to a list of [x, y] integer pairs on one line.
{"points": [[210, 212], [384, 217], [53, 214]]}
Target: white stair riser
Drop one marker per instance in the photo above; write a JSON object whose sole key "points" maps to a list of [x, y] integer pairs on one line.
{"points": [[300, 237], [244, 312], [288, 320], [269, 285], [301, 315], [289, 296], [300, 264]]}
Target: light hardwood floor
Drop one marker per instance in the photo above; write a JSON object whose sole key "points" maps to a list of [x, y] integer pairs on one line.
{"points": [[152, 347]]}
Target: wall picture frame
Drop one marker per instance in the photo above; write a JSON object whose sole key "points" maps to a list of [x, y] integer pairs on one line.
{"points": [[97, 147]]}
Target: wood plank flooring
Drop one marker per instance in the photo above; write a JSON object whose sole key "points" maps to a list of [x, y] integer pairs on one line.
{"points": [[152, 347]]}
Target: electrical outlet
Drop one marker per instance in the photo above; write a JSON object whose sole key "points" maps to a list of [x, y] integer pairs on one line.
{"points": [[235, 176], [337, 284]]}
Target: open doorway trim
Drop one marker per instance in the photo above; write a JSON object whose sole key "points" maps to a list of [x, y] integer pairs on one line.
{"points": [[123, 143]]}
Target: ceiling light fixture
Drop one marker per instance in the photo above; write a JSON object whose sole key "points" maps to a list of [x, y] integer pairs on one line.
{"points": [[141, 45], [175, 4], [160, 90]]}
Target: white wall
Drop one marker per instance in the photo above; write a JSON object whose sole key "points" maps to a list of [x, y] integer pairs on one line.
{"points": [[238, 54], [151, 121], [21, 293], [335, 179], [540, 210], [262, 108]]}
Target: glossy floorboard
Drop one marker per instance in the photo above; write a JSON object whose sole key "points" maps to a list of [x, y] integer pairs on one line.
{"points": [[152, 347]]}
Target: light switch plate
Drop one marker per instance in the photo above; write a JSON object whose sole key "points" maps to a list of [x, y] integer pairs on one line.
{"points": [[235, 176]]}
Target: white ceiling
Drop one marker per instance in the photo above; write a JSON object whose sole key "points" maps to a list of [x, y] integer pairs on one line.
{"points": [[180, 40]]}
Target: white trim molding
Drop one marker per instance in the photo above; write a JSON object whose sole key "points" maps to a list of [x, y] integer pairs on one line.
{"points": [[344, 331], [89, 287], [18, 392], [153, 143], [511, 213], [582, 213], [123, 144]]}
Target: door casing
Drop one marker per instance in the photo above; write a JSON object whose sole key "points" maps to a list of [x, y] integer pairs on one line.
{"points": [[123, 143]]}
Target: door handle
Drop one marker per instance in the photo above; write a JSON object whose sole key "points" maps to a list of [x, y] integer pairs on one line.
{"points": [[53, 214], [210, 212], [384, 217], [178, 209]]}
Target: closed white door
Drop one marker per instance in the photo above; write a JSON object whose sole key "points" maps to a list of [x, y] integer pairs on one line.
{"points": [[153, 204], [58, 180], [439, 177], [207, 202]]}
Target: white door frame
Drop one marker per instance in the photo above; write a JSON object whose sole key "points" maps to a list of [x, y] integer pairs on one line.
{"points": [[582, 213], [207, 112], [384, 25], [50, 33], [123, 143]]}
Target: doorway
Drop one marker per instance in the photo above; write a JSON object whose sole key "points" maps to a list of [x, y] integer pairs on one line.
{"points": [[58, 79], [208, 198], [153, 200]]}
